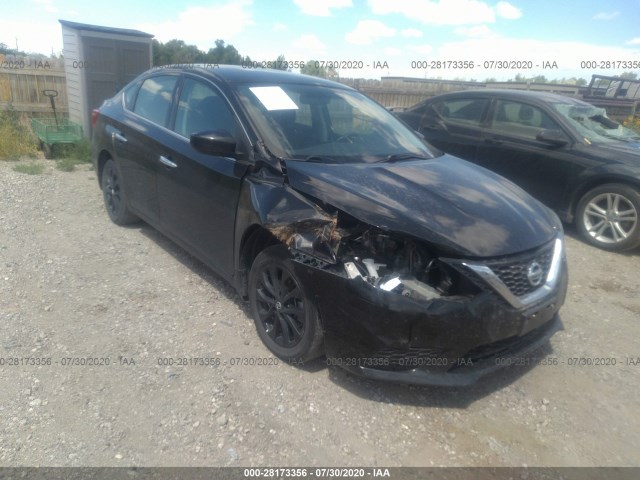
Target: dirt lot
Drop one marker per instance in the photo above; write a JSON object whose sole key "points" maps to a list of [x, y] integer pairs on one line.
{"points": [[72, 284]]}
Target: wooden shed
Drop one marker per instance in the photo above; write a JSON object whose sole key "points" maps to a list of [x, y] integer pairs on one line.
{"points": [[99, 61]]}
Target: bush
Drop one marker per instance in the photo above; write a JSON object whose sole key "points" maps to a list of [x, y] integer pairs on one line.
{"points": [[632, 122], [16, 138]]}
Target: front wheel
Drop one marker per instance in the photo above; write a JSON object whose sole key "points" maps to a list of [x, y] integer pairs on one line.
{"points": [[607, 217], [286, 319]]}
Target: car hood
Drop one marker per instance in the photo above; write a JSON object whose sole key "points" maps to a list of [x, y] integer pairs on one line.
{"points": [[462, 208], [630, 149]]}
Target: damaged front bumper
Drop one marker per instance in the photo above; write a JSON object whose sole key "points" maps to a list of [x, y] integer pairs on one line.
{"points": [[450, 340]]}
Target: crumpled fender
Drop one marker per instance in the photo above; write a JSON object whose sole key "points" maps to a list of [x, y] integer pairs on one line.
{"points": [[293, 218]]}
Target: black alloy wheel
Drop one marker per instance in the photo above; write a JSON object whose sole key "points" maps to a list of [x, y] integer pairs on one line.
{"points": [[115, 200], [285, 317]]}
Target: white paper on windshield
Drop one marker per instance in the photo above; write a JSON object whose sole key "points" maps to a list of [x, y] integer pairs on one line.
{"points": [[274, 98]]}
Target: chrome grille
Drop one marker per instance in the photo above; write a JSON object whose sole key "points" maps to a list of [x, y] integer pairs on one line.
{"points": [[513, 271]]}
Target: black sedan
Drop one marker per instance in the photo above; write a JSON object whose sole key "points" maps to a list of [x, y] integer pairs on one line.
{"points": [[563, 151], [347, 233]]}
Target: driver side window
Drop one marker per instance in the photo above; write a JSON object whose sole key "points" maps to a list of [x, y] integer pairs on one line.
{"points": [[202, 108]]}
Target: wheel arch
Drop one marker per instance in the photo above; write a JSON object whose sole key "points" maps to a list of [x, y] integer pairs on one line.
{"points": [[103, 157], [596, 182], [255, 239]]}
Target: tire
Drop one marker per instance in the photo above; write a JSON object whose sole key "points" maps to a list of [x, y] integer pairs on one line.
{"points": [[608, 217], [115, 198], [286, 319], [47, 149]]}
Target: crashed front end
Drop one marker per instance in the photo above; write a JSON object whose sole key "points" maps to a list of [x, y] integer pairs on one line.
{"points": [[395, 308]]}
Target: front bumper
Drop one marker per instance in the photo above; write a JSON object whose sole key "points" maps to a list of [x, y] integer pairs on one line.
{"points": [[445, 341]]}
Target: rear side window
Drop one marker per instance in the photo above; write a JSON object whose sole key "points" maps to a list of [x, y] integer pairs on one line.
{"points": [[154, 99], [130, 95], [467, 111]]}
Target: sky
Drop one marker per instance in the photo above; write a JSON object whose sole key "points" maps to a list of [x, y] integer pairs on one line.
{"points": [[412, 38]]}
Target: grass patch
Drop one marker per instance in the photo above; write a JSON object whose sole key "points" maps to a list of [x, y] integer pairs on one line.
{"points": [[29, 168], [66, 164], [70, 155], [16, 138]]}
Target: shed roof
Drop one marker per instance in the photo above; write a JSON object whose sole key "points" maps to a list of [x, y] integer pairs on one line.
{"points": [[101, 29]]}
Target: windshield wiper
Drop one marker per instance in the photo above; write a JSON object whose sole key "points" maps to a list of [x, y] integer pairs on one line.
{"points": [[319, 159], [404, 156]]}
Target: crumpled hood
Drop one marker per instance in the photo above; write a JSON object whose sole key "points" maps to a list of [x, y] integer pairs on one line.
{"points": [[463, 208], [631, 150]]}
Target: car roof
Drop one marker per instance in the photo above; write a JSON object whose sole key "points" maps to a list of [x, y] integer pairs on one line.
{"points": [[545, 97], [235, 74]]}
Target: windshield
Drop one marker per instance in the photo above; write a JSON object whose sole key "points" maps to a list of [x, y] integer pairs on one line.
{"points": [[331, 125], [594, 125]]}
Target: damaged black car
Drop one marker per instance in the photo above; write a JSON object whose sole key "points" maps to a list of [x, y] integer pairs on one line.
{"points": [[348, 234]]}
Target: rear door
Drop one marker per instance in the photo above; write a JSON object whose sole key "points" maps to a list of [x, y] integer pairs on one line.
{"points": [[138, 139], [198, 193], [455, 125]]}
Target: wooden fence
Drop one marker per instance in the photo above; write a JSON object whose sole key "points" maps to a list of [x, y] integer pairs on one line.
{"points": [[399, 93], [22, 81]]}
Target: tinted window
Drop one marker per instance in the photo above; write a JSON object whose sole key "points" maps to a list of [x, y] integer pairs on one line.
{"points": [[130, 95], [154, 99], [462, 111], [521, 119], [202, 108]]}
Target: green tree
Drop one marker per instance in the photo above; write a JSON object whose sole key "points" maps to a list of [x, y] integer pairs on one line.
{"points": [[570, 81], [224, 54], [280, 64], [518, 78], [177, 51], [539, 79], [629, 75], [317, 69]]}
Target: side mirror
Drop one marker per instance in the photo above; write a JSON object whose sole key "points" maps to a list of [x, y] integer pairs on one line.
{"points": [[216, 142], [552, 137]]}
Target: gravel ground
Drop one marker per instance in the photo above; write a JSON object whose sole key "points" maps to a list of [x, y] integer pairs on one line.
{"points": [[72, 284]]}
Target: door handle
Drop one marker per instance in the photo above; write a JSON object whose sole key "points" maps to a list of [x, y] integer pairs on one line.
{"points": [[167, 162], [493, 141], [119, 137]]}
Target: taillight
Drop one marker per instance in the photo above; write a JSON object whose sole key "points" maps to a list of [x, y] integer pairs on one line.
{"points": [[95, 113]]}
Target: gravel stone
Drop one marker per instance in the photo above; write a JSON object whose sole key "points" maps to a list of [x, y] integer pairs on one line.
{"points": [[75, 286]]}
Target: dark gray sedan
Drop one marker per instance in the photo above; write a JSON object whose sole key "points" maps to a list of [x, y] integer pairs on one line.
{"points": [[563, 151]]}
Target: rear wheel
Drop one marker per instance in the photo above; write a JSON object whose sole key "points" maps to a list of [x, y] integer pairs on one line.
{"points": [[285, 317], [115, 199], [609, 217], [47, 149]]}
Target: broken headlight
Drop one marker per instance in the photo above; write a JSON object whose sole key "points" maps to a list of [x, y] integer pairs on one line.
{"points": [[400, 265]]}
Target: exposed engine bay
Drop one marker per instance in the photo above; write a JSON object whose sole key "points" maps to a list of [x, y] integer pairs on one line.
{"points": [[387, 261]]}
